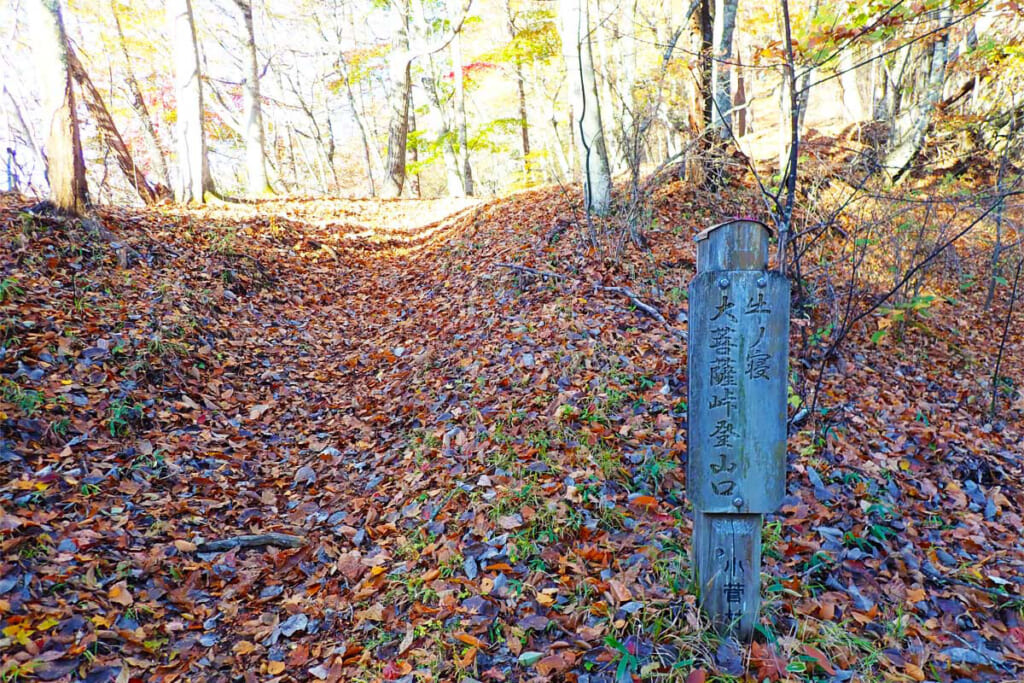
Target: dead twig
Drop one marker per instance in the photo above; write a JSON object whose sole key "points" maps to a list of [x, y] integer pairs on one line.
{"points": [[537, 273]]}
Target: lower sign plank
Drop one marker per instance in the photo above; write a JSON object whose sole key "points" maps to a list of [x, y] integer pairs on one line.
{"points": [[727, 553]]}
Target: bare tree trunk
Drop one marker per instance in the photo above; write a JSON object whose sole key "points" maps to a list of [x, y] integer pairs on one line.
{"points": [[111, 136], [705, 24], [721, 72], [911, 134], [740, 102], [414, 154], [359, 123], [255, 145], [139, 105], [398, 130], [785, 109], [524, 126], [562, 153], [398, 107], [291, 157], [521, 87], [330, 150], [579, 60], [25, 130], [442, 131], [323, 149], [602, 34], [853, 106], [795, 94], [65, 165], [460, 110], [803, 88], [789, 174], [997, 247], [194, 179]]}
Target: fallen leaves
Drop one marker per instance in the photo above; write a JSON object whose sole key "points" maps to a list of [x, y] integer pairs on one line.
{"points": [[120, 594], [484, 469], [768, 662]]}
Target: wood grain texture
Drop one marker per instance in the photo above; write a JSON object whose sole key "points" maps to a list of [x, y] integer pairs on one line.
{"points": [[738, 366], [727, 552]]}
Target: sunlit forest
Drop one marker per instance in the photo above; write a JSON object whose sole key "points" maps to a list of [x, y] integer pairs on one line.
{"points": [[511, 340]]}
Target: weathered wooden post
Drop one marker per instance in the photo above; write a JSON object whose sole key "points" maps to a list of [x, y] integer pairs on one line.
{"points": [[738, 366]]}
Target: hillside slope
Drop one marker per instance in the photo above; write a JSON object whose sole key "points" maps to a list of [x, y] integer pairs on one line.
{"points": [[478, 467]]}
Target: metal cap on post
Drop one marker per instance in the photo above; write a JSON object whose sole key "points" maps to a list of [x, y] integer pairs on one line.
{"points": [[738, 367]]}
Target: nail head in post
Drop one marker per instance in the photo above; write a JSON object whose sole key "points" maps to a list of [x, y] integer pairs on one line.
{"points": [[723, 282], [737, 502], [739, 244], [762, 282]]}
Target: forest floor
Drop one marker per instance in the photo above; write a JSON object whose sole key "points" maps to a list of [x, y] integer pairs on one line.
{"points": [[480, 472]]}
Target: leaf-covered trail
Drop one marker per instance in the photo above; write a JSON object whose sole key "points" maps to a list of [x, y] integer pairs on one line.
{"points": [[484, 468]]}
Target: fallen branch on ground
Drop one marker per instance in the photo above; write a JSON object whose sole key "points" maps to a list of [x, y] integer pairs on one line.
{"points": [[252, 541], [624, 291], [629, 294]]}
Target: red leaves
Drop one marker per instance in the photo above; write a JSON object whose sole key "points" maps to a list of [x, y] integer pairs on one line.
{"points": [[394, 670], [816, 657], [768, 662]]}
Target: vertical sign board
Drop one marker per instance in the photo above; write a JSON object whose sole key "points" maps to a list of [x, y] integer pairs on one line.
{"points": [[738, 346]]}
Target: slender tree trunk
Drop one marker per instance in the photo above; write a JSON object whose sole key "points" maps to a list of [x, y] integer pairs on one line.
{"points": [[892, 82], [602, 34], [111, 136], [804, 96], [64, 162], [291, 157], [367, 154], [332, 148], [255, 145], [194, 179], [139, 105], [705, 24], [789, 174], [25, 130], [633, 116], [414, 154], [740, 108], [911, 135], [324, 149], [460, 110], [853, 105], [586, 106], [721, 72], [524, 127], [997, 248], [398, 107], [563, 153], [444, 133], [785, 111]]}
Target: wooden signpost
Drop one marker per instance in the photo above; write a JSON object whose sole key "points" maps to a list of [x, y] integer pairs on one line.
{"points": [[738, 367]]}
